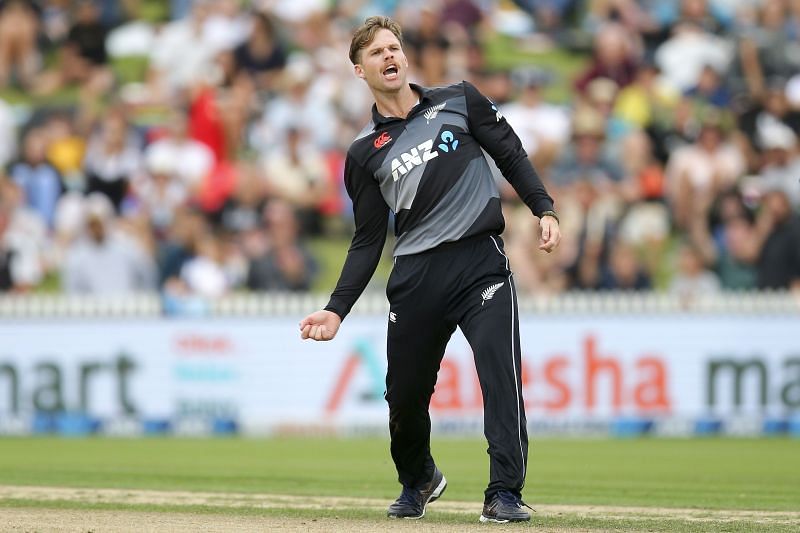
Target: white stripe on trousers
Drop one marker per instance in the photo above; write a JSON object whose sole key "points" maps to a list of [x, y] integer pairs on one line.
{"points": [[517, 384]]}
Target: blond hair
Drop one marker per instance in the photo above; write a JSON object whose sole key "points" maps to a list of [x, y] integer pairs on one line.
{"points": [[366, 33]]}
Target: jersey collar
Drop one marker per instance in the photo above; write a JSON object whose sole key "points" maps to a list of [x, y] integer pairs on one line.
{"points": [[424, 96]]}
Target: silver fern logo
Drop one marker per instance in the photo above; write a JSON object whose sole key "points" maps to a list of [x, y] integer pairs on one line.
{"points": [[498, 115], [431, 112], [488, 293]]}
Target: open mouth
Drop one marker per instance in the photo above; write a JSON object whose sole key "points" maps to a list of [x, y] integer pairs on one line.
{"points": [[390, 72]]}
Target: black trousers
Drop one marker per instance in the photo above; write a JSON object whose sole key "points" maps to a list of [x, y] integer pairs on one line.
{"points": [[466, 284]]}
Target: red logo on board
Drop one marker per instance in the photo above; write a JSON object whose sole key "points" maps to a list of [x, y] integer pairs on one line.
{"points": [[381, 141]]}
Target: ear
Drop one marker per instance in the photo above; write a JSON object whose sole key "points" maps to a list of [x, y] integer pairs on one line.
{"points": [[359, 71]]}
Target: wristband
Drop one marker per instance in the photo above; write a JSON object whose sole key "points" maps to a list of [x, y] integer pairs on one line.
{"points": [[550, 214]]}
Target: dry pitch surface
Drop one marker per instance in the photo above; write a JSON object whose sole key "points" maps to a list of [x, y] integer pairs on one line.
{"points": [[44, 519]]}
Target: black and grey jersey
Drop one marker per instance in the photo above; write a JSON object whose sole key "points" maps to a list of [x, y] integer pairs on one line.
{"points": [[430, 169]]}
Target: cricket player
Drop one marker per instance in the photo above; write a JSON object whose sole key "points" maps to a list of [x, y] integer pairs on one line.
{"points": [[422, 157]]}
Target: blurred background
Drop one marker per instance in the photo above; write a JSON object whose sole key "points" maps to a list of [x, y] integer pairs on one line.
{"points": [[196, 147], [185, 158]]}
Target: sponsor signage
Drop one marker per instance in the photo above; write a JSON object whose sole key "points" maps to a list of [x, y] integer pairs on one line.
{"points": [[259, 373]]}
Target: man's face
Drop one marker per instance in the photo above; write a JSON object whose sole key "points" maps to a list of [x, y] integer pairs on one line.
{"points": [[97, 231], [383, 65]]}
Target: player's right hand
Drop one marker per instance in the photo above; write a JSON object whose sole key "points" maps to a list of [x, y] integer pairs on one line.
{"points": [[320, 326]]}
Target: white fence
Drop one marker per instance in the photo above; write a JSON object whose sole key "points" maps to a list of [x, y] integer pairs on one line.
{"points": [[249, 304]]}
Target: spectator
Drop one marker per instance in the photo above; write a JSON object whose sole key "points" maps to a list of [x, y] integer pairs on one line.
{"points": [[8, 134], [177, 244], [614, 59], [779, 260], [770, 108], [464, 14], [677, 127], [585, 159], [297, 173], [543, 128], [601, 94], [6, 254], [735, 263], [286, 265], [690, 49], [590, 217], [203, 274], [113, 159], [703, 168], [534, 273], [427, 46], [629, 13], [710, 89], [701, 13], [159, 197], [692, 278], [262, 55], [768, 50], [647, 183], [549, 15], [182, 54], [39, 181], [624, 271], [645, 221], [23, 239], [227, 25], [65, 149], [105, 261], [734, 253], [180, 156], [242, 211], [19, 57], [83, 59], [297, 105], [648, 100], [780, 161]]}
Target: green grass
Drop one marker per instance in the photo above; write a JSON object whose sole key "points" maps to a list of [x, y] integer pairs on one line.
{"points": [[702, 474], [707, 474], [560, 523], [503, 52]]}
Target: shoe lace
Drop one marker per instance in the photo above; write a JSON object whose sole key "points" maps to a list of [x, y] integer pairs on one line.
{"points": [[512, 500]]}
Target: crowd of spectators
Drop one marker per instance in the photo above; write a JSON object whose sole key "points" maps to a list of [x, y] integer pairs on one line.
{"points": [[672, 154]]}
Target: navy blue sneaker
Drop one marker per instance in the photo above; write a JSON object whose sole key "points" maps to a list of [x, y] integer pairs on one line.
{"points": [[505, 507], [412, 502]]}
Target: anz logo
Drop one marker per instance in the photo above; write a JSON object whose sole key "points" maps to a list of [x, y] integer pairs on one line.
{"points": [[421, 154]]}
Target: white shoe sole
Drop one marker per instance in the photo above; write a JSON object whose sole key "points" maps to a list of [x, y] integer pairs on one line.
{"points": [[437, 492], [486, 519], [492, 520]]}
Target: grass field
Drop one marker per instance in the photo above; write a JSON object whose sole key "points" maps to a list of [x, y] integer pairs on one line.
{"points": [[625, 485]]}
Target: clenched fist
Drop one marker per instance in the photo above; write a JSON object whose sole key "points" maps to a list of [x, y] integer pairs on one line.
{"points": [[320, 326]]}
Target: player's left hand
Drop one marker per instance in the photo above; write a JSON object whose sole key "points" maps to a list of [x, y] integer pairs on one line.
{"points": [[551, 234]]}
